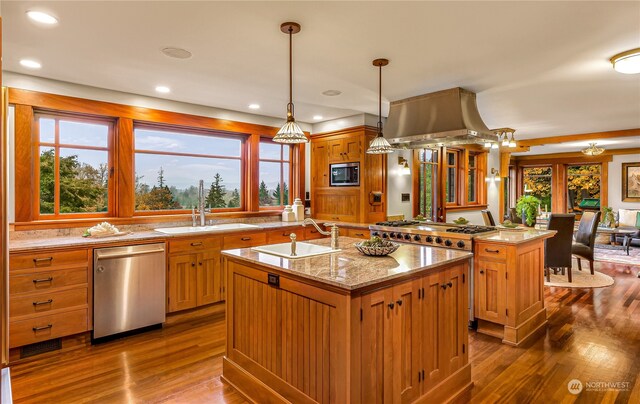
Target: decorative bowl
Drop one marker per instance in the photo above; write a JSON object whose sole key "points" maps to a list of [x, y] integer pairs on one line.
{"points": [[379, 251], [510, 225], [461, 220]]}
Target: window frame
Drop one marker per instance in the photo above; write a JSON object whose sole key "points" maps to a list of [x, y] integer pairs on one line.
{"points": [[198, 132], [281, 161], [567, 175], [551, 176], [57, 116]]}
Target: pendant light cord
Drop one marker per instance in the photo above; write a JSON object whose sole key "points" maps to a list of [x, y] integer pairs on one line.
{"points": [[290, 105], [380, 101]]}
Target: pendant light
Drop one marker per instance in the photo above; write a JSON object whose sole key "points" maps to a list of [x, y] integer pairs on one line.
{"points": [[290, 131], [592, 150], [380, 145]]}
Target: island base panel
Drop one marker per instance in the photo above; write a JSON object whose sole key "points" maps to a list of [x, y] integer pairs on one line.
{"points": [[531, 328]]}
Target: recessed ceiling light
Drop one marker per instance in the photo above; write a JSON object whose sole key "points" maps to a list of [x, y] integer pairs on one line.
{"points": [[254, 106], [332, 93], [627, 62], [163, 89], [317, 117], [30, 64], [41, 17], [177, 53]]}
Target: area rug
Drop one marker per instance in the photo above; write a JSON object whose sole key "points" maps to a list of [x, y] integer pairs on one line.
{"points": [[606, 253], [581, 279]]}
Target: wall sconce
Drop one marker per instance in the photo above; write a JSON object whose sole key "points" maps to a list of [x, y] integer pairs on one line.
{"points": [[402, 162], [494, 176]]}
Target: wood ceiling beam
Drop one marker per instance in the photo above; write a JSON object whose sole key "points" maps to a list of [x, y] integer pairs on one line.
{"points": [[607, 152], [578, 137]]}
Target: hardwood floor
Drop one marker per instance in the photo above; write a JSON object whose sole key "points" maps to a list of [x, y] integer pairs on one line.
{"points": [[593, 336]]}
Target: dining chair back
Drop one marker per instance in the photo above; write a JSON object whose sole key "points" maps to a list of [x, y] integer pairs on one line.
{"points": [[488, 218], [557, 249]]}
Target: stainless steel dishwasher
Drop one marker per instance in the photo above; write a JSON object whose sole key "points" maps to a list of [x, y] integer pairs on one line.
{"points": [[128, 288]]}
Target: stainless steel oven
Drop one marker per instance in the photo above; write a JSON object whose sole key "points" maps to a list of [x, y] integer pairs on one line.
{"points": [[345, 175]]}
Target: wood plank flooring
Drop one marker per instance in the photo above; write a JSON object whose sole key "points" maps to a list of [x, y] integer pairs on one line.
{"points": [[593, 336]]}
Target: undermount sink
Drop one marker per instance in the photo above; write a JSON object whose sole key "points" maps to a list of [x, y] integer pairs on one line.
{"points": [[205, 229], [303, 250]]}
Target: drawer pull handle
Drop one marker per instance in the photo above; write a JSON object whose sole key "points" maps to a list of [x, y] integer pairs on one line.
{"points": [[449, 284], [46, 327], [390, 305], [360, 234], [443, 286], [43, 302], [491, 251], [481, 272], [245, 238], [41, 260], [196, 244], [49, 279], [399, 302]]}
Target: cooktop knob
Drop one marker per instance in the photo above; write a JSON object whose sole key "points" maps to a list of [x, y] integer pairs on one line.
{"points": [[460, 244], [392, 235], [385, 235], [429, 239], [448, 243], [407, 236], [416, 237], [375, 233], [439, 240]]}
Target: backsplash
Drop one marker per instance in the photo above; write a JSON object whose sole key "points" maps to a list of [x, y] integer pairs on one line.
{"points": [[79, 231]]}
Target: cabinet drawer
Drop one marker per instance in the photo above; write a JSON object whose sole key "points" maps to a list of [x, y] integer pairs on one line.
{"points": [[310, 233], [355, 233], [46, 280], [497, 251], [194, 244], [51, 259], [46, 327], [40, 303], [283, 236], [244, 240]]}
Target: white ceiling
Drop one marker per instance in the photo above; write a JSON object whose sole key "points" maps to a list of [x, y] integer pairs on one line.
{"points": [[540, 67]]}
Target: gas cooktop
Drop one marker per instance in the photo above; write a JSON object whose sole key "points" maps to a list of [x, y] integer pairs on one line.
{"points": [[445, 235]]}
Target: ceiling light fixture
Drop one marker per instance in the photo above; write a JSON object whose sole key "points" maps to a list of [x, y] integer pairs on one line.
{"points": [[592, 150], [42, 17], [254, 106], [332, 93], [30, 64], [163, 89], [176, 53], [494, 145], [380, 145], [317, 117], [627, 62], [290, 131]]}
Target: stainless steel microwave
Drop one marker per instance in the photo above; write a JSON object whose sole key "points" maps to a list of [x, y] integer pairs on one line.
{"points": [[345, 175]]}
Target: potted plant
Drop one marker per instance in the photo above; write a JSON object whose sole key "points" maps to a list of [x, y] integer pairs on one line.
{"points": [[608, 218], [528, 206]]}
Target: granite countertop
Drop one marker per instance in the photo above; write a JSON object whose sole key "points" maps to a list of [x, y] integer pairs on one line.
{"points": [[350, 270], [515, 236], [35, 243]]}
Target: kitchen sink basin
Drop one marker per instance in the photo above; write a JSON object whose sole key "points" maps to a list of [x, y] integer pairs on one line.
{"points": [[205, 229], [303, 250]]}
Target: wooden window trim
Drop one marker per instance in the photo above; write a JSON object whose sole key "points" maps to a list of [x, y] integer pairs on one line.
{"points": [[56, 145], [124, 116]]}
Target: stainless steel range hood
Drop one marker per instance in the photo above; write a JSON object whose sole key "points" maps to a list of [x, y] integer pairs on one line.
{"points": [[446, 117]]}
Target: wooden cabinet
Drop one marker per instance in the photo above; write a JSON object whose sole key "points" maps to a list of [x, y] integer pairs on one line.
{"points": [[414, 336], [509, 289], [347, 204], [195, 275], [49, 295]]}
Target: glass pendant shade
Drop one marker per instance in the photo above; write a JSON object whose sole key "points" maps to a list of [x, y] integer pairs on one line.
{"points": [[379, 145], [290, 133]]}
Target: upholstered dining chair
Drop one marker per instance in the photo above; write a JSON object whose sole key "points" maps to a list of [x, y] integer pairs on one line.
{"points": [[513, 216], [488, 218], [582, 247], [557, 249]]}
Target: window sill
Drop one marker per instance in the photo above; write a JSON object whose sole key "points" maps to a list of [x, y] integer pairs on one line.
{"points": [[88, 222], [466, 207]]}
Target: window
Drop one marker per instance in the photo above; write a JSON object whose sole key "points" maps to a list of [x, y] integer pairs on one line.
{"points": [[428, 180], [74, 163], [472, 178], [537, 182], [170, 162], [275, 174], [583, 182], [451, 183]]}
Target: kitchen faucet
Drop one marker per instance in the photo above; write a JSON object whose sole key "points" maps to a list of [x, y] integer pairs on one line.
{"points": [[334, 233], [201, 209]]}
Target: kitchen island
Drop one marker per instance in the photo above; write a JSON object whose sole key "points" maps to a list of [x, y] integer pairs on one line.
{"points": [[343, 327]]}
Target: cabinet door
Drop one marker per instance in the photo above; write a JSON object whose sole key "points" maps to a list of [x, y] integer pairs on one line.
{"points": [[454, 320], [406, 341], [490, 291], [377, 347], [182, 282], [336, 151], [351, 148], [209, 278], [320, 164], [431, 319]]}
